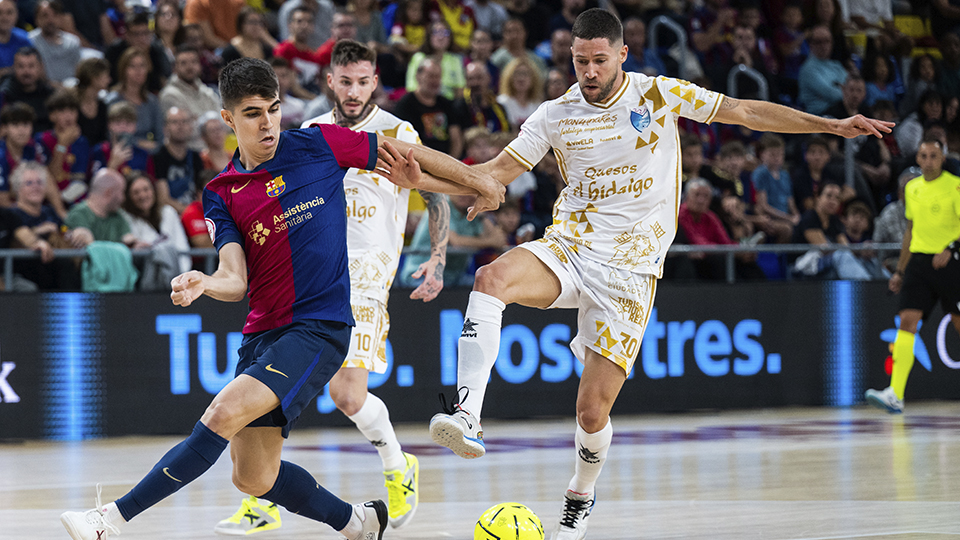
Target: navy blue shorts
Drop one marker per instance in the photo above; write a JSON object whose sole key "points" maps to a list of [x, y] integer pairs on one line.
{"points": [[295, 361]]}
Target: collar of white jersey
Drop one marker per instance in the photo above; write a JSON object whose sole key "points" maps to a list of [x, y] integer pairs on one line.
{"points": [[361, 124], [612, 100]]}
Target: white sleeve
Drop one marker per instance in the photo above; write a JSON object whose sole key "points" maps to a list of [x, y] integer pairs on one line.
{"points": [[406, 133], [685, 99], [533, 142]]}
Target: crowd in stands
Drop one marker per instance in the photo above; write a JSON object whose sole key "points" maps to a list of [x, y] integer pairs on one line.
{"points": [[110, 126]]}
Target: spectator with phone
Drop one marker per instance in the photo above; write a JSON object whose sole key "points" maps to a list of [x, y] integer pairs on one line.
{"points": [[120, 152]]}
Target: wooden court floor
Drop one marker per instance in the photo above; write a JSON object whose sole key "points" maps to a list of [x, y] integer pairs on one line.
{"points": [[812, 473]]}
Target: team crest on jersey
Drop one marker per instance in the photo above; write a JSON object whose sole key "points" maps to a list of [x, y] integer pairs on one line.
{"points": [[640, 118], [276, 186]]}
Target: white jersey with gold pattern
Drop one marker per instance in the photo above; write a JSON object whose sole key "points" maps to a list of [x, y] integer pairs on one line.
{"points": [[376, 211], [621, 163]]}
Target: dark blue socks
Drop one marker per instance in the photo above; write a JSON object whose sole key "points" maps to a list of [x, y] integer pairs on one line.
{"points": [[297, 491], [177, 468]]}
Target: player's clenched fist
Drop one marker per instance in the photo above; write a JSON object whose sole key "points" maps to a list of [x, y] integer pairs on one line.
{"points": [[186, 288]]}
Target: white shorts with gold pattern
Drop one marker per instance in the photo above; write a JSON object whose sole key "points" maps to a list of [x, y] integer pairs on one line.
{"points": [[368, 341], [613, 304]]}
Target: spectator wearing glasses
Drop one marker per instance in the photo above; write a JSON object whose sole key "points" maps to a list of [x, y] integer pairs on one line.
{"points": [[437, 47]]}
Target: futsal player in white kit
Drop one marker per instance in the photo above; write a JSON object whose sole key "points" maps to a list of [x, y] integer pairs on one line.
{"points": [[376, 218], [616, 140]]}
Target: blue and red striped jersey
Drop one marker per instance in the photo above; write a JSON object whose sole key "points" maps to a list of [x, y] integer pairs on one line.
{"points": [[289, 214]]}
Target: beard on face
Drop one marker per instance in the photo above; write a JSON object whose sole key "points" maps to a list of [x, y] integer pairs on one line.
{"points": [[606, 89], [345, 120]]}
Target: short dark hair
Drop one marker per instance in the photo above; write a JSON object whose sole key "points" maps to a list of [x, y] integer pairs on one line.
{"points": [[246, 77], [817, 140], [279, 62], [28, 51], [597, 23], [304, 9], [17, 112], [770, 140], [928, 138], [184, 49], [88, 70], [55, 5], [141, 18], [824, 185], [732, 148], [348, 51], [61, 99]]}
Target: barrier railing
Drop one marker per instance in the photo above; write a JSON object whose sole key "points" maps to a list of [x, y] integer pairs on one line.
{"points": [[729, 251]]}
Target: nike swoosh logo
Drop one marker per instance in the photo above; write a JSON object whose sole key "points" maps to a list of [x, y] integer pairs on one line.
{"points": [[237, 189], [270, 368], [166, 471]]}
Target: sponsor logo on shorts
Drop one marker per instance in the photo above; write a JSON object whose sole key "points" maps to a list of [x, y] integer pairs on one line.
{"points": [[272, 370], [469, 329]]}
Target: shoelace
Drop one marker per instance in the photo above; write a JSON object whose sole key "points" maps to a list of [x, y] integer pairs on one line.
{"points": [[454, 404], [396, 492], [97, 518], [572, 510]]}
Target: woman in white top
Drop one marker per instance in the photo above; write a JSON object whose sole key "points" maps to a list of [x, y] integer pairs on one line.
{"points": [[152, 222], [521, 90]]}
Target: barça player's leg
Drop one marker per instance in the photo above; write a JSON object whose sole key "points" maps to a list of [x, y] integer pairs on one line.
{"points": [[519, 277]]}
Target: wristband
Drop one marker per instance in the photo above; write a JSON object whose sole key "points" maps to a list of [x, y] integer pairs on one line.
{"points": [[954, 248]]}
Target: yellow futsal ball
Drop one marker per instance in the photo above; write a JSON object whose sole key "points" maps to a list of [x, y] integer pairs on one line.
{"points": [[508, 521]]}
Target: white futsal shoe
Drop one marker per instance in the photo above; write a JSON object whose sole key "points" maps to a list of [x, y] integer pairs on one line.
{"points": [[573, 519], [885, 399], [373, 515], [458, 430], [90, 525]]}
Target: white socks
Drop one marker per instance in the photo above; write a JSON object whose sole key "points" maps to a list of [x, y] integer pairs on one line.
{"points": [[373, 420], [479, 346], [591, 453], [355, 526], [113, 515]]}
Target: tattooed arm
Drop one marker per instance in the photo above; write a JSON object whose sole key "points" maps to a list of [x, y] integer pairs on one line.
{"points": [[766, 116], [438, 212]]}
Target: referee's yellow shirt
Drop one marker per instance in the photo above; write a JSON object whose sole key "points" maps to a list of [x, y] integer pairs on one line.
{"points": [[934, 208]]}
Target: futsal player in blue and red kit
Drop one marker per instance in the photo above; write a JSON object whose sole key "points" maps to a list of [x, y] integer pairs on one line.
{"points": [[277, 215]]}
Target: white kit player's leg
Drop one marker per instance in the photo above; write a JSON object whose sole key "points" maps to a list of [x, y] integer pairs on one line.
{"points": [[373, 420], [580, 497], [400, 469], [459, 428]]}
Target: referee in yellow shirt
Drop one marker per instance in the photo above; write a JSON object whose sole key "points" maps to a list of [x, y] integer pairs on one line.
{"points": [[929, 266]]}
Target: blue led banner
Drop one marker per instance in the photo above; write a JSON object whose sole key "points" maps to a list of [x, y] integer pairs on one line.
{"points": [[75, 366]]}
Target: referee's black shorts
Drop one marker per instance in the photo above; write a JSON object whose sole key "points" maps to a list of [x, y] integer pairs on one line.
{"points": [[922, 285]]}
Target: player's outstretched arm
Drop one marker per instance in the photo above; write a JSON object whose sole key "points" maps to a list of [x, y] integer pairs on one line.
{"points": [[407, 157], [766, 116], [438, 212], [228, 283]]}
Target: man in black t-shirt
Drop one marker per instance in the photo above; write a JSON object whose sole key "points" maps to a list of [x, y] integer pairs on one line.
{"points": [[821, 226], [13, 233], [176, 166], [432, 115]]}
